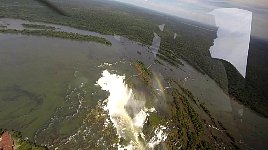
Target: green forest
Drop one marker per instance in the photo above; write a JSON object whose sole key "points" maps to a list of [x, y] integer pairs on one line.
{"points": [[245, 90]]}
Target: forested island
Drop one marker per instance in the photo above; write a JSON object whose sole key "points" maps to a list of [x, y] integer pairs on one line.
{"points": [[58, 34]]}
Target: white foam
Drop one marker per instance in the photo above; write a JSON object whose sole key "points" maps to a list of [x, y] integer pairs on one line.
{"points": [[117, 37], [104, 65], [232, 43], [140, 119], [121, 97], [160, 136]]}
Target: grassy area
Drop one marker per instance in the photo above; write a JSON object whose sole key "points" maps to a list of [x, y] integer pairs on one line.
{"points": [[37, 26], [58, 34]]}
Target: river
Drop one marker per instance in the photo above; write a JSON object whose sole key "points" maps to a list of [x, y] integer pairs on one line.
{"points": [[48, 84]]}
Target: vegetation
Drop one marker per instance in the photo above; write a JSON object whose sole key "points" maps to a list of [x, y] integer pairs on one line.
{"points": [[37, 26], [184, 125], [27, 145], [257, 71], [58, 34], [144, 73], [185, 91], [221, 138], [24, 144], [171, 60], [158, 61], [208, 113], [186, 129], [245, 91]]}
